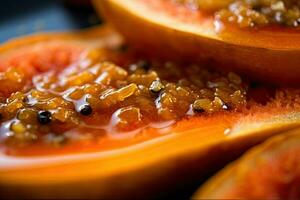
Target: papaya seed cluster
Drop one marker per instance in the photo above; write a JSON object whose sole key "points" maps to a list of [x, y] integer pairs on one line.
{"points": [[97, 93], [250, 13]]}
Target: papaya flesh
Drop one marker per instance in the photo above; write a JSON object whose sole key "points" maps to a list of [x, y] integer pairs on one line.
{"points": [[147, 168], [269, 54], [267, 171]]}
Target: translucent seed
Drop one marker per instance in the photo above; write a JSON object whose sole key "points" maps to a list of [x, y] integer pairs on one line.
{"points": [[201, 105], [217, 103], [18, 128], [111, 97], [156, 86], [127, 117], [26, 115]]}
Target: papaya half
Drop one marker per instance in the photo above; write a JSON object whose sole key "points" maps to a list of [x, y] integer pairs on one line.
{"points": [[151, 165], [267, 171], [268, 53]]}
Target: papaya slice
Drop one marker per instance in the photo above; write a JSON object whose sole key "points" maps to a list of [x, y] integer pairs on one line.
{"points": [[148, 164], [267, 171], [268, 53]]}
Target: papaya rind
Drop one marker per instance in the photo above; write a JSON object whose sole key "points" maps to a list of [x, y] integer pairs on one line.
{"points": [[147, 169]]}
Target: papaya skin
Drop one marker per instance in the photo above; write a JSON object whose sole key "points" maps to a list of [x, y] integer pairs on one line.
{"points": [[268, 54], [267, 171], [148, 169]]}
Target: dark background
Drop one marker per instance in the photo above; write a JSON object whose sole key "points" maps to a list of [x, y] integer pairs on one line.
{"points": [[22, 17]]}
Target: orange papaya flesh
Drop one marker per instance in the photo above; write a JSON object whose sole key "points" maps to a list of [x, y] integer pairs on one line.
{"points": [[43, 56], [257, 53], [267, 171], [124, 163], [41, 52]]}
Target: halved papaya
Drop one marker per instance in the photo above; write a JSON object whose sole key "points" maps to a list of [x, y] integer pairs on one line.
{"points": [[147, 166], [268, 171], [267, 53]]}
